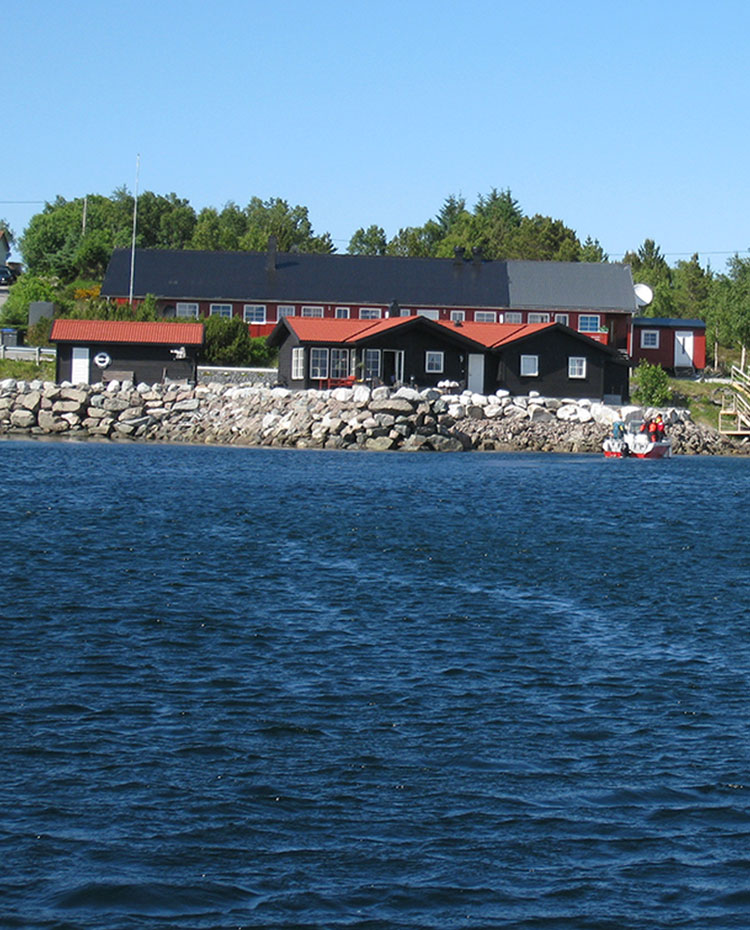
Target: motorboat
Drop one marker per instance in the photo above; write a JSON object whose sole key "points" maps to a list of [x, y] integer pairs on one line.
{"points": [[631, 440]]}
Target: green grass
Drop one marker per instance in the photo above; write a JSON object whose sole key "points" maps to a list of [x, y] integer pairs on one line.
{"points": [[701, 398], [26, 371]]}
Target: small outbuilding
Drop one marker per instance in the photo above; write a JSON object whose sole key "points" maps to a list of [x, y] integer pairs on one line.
{"points": [[677, 345], [90, 351]]}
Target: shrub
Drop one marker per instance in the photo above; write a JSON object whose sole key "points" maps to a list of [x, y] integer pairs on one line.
{"points": [[38, 334], [650, 385]]}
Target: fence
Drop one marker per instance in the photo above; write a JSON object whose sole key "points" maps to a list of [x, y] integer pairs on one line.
{"points": [[28, 353]]}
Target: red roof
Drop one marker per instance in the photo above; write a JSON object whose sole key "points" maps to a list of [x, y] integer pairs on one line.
{"points": [[127, 331], [492, 335], [489, 335]]}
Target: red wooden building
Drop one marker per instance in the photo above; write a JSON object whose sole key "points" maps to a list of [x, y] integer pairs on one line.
{"points": [[677, 345], [262, 287]]}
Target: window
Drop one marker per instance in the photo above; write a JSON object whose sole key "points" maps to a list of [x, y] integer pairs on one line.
{"points": [[576, 367], [562, 318], [485, 316], [458, 316], [318, 363], [430, 314], [404, 311], [588, 323], [254, 313], [370, 313], [529, 366], [649, 338], [312, 311], [224, 310], [372, 363], [342, 313], [513, 317], [539, 318], [339, 363], [187, 310], [284, 310], [298, 364], [434, 362]]}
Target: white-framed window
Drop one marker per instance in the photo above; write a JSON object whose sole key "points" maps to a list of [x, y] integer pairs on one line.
{"points": [[434, 362], [563, 318], [589, 323], [649, 338], [298, 363], [576, 366], [485, 316], [342, 313], [372, 363], [313, 311], [539, 318], [404, 311], [318, 363], [458, 316], [284, 310], [339, 363], [224, 310], [430, 314], [513, 316], [529, 366], [370, 313], [254, 313], [187, 310]]}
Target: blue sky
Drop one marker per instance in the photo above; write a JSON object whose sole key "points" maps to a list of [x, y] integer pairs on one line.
{"points": [[626, 121]]}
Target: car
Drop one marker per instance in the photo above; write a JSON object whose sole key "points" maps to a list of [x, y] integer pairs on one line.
{"points": [[7, 275]]}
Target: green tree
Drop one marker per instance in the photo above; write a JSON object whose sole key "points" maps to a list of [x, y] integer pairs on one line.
{"points": [[370, 241], [649, 266], [591, 251], [27, 288], [227, 341], [650, 385], [692, 286], [290, 225]]}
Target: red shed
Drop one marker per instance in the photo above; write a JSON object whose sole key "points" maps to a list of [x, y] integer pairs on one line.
{"points": [[675, 344]]}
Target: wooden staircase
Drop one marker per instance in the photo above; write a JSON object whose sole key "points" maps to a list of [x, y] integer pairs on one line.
{"points": [[734, 416]]}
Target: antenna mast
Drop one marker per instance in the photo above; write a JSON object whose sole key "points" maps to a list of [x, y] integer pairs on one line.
{"points": [[135, 217]]}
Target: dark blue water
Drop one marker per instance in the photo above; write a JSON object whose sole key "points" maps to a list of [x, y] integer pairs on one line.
{"points": [[247, 688]]}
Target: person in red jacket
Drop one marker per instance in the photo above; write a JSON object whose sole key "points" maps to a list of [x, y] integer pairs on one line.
{"points": [[653, 431]]}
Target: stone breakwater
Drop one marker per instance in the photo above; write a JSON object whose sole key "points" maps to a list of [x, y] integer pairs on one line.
{"points": [[344, 418]]}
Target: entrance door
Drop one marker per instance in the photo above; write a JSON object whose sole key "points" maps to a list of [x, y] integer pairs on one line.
{"points": [[683, 350], [475, 378], [393, 366], [79, 368]]}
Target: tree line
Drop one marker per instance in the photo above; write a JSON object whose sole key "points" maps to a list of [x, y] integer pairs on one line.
{"points": [[70, 243]]}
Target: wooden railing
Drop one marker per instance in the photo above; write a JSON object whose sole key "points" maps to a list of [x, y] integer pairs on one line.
{"points": [[734, 416]]}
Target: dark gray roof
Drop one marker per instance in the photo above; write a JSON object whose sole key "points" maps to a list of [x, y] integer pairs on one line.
{"points": [[668, 322], [421, 282]]}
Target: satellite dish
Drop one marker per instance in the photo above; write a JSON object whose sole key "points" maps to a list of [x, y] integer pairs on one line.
{"points": [[643, 295]]}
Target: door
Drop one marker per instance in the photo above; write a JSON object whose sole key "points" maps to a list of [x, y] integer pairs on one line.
{"points": [[393, 366], [79, 368], [475, 378], [683, 350]]}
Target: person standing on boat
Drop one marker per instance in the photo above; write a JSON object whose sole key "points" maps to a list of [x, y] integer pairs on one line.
{"points": [[659, 421], [653, 430]]}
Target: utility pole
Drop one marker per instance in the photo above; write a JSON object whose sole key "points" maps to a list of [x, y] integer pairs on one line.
{"points": [[135, 219]]}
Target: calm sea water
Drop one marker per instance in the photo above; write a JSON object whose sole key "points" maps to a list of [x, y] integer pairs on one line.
{"points": [[249, 688]]}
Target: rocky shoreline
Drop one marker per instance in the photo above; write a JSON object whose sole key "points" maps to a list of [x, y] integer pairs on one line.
{"points": [[344, 418]]}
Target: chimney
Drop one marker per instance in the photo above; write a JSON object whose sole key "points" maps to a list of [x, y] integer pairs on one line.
{"points": [[271, 256], [394, 310], [458, 254], [476, 253]]}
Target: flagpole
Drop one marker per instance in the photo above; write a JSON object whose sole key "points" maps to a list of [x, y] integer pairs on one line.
{"points": [[135, 216]]}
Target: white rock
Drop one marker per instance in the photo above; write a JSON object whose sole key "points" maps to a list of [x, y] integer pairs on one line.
{"points": [[479, 400], [568, 412]]}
